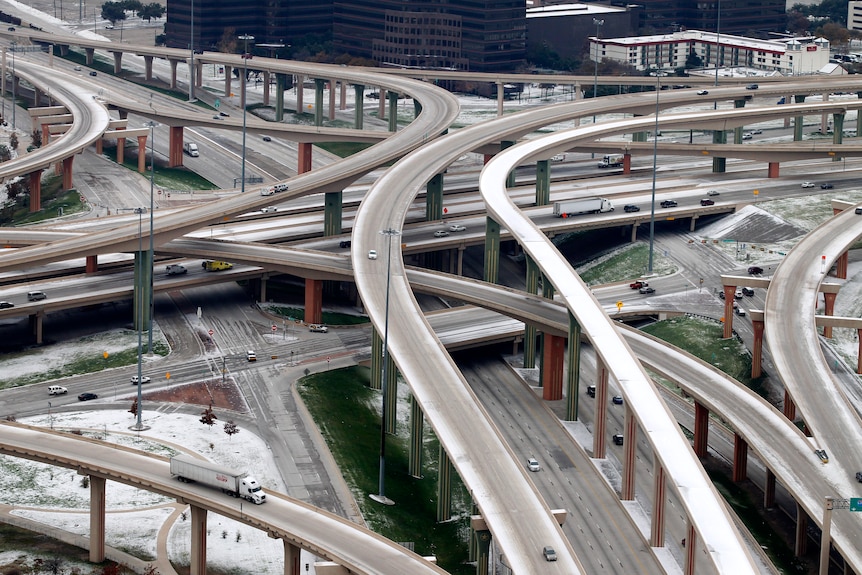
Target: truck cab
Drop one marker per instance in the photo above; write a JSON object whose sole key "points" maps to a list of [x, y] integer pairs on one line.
{"points": [[251, 490], [191, 149]]}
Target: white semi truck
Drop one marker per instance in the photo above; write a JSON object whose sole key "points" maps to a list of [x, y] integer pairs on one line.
{"points": [[232, 481], [191, 149], [582, 206], [611, 161]]}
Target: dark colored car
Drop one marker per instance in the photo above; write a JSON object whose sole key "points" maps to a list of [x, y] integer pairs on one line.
{"points": [[631, 208], [344, 244], [747, 291], [826, 186], [752, 87], [87, 396], [618, 400], [755, 270], [618, 439], [6, 304], [267, 139], [591, 390], [857, 210], [646, 290], [668, 204], [706, 202], [93, 73]]}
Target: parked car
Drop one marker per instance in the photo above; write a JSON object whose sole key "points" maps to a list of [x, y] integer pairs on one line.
{"points": [[144, 379], [441, 234], [826, 186], [712, 193], [706, 202], [702, 92], [457, 228], [755, 270], [87, 396], [721, 294], [533, 464], [638, 284], [752, 87], [617, 399], [739, 311], [668, 204], [318, 328], [807, 184], [618, 439], [6, 304], [646, 290], [631, 208]]}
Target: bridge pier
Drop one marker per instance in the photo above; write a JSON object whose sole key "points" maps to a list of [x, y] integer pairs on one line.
{"points": [[729, 293], [97, 518], [304, 151], [142, 154], [740, 458], [483, 547], [280, 87], [313, 300], [553, 351], [291, 558], [719, 165], [841, 266], [198, 562], [35, 320], [601, 416], [630, 436], [318, 101], [434, 198], [67, 173], [492, 250], [92, 265], [262, 292], [358, 95], [175, 146], [772, 169], [829, 298], [757, 348], [228, 76], [659, 497], [769, 490], [574, 374], [789, 407], [701, 429], [392, 99], [689, 546], [627, 164], [532, 286], [444, 486], [332, 213], [543, 183], [173, 64], [414, 456], [35, 191], [801, 541]]}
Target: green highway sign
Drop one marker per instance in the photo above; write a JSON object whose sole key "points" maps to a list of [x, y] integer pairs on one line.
{"points": [[856, 504]]}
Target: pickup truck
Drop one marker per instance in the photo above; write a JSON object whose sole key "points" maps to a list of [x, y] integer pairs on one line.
{"points": [[638, 284]]}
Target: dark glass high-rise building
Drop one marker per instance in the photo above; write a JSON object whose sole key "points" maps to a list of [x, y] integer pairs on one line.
{"points": [[755, 18]]}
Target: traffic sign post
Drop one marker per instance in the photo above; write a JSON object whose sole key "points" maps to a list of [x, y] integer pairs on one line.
{"points": [[274, 328], [619, 306]]}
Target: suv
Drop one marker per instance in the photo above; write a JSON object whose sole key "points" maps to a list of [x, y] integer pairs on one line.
{"points": [[706, 202], [668, 204], [36, 295], [318, 328], [747, 291], [755, 270], [631, 208], [549, 553]]}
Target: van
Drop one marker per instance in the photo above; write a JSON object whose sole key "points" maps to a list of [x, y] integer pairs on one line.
{"points": [[57, 390], [266, 191], [279, 188], [36, 295]]}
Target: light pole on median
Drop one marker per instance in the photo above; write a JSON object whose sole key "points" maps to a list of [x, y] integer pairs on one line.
{"points": [[245, 58], [140, 314], [659, 68], [12, 48], [151, 125], [192, 55], [380, 497], [599, 24]]}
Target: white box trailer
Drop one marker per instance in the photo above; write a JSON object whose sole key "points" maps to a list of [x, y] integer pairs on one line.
{"points": [[234, 482], [582, 206]]}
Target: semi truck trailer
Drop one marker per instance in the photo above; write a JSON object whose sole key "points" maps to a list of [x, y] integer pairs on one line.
{"points": [[234, 482], [582, 206]]}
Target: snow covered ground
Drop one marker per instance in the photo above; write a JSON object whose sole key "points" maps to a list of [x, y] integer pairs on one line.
{"points": [[55, 496]]}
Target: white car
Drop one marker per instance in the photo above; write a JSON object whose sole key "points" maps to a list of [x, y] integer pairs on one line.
{"points": [[457, 228], [269, 209], [807, 184], [702, 92], [441, 234], [533, 464], [372, 254], [318, 328], [144, 379]]}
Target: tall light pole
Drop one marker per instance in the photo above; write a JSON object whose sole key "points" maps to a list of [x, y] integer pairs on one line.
{"points": [[192, 56], [13, 46], [717, 44], [381, 496], [654, 164], [140, 314], [152, 125], [245, 58], [599, 24]]}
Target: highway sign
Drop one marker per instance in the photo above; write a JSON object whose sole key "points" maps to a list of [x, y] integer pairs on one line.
{"points": [[856, 504], [210, 332], [274, 328], [217, 103]]}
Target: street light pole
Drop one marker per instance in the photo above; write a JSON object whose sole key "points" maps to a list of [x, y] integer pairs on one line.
{"points": [[152, 125], [599, 24], [12, 47], [659, 68], [245, 58], [140, 314], [192, 56], [381, 496]]}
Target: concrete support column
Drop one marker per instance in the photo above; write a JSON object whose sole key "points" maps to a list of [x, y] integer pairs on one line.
{"points": [[262, 293], [198, 561], [769, 490], [303, 157], [88, 58], [444, 487], [118, 62], [601, 413], [740, 458], [483, 551], [143, 283], [492, 251], [342, 100], [228, 76], [798, 121], [175, 146], [332, 213], [313, 301], [627, 164], [300, 92], [121, 149], [757, 348], [789, 407], [532, 286], [719, 165], [656, 537], [573, 376], [35, 191], [381, 103], [92, 264], [841, 266], [173, 80], [392, 98], [46, 134], [737, 132], [318, 101], [690, 547], [142, 154], [510, 179], [829, 310], [358, 94], [824, 117], [459, 268], [634, 237], [434, 198], [553, 352], [500, 94], [543, 183], [801, 541], [414, 456], [291, 558], [729, 293], [838, 133], [859, 351], [701, 429], [472, 544], [67, 173], [199, 74], [280, 87], [266, 81], [376, 360], [97, 519], [630, 437], [148, 68]]}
